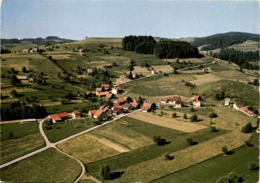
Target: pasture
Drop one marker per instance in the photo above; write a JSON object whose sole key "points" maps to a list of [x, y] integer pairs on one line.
{"points": [[19, 139], [210, 170], [61, 130], [47, 166]]}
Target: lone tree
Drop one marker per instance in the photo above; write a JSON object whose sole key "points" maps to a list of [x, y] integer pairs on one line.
{"points": [[105, 172], [11, 135], [213, 115], [184, 116], [225, 150], [168, 157], [159, 141], [14, 80], [248, 128], [194, 118], [174, 115]]}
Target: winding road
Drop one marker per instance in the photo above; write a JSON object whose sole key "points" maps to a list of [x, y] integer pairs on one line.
{"points": [[53, 145]]}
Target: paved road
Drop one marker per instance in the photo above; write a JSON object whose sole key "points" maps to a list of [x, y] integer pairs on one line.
{"points": [[53, 145]]}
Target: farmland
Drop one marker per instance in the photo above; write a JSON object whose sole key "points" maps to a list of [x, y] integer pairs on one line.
{"points": [[47, 166], [127, 145], [19, 139]]}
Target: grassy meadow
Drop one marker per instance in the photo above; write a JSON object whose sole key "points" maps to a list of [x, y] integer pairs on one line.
{"points": [[47, 166], [61, 130], [19, 139], [212, 169]]}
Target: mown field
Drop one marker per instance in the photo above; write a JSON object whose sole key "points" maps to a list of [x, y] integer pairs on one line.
{"points": [[212, 169], [121, 163], [67, 128], [47, 166], [87, 148], [19, 139]]}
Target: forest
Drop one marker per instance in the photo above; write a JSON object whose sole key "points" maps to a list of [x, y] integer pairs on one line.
{"points": [[224, 40], [239, 57], [162, 49], [18, 110]]}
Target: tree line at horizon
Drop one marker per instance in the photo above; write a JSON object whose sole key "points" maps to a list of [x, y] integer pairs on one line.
{"points": [[162, 49]]}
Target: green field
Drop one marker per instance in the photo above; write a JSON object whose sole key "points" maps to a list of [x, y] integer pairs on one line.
{"points": [[61, 130], [133, 133], [19, 139], [47, 166], [210, 170], [121, 162], [161, 85]]}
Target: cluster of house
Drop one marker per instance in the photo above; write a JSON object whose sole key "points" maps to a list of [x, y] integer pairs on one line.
{"points": [[176, 101], [238, 107], [29, 79], [31, 50], [106, 91], [120, 106]]}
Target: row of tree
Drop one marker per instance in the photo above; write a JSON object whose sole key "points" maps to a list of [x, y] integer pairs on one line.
{"points": [[19, 110], [239, 57], [162, 49]]}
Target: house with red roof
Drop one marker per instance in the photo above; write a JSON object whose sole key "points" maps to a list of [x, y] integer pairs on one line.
{"points": [[57, 117], [117, 109], [120, 101], [243, 109], [148, 106], [105, 87], [92, 112], [134, 104]]}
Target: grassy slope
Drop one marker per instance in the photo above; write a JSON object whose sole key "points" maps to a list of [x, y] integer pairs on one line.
{"points": [[47, 166], [245, 94], [210, 170], [62, 130], [134, 157], [26, 139]]}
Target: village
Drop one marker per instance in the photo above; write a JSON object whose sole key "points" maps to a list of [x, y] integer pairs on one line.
{"points": [[127, 104]]}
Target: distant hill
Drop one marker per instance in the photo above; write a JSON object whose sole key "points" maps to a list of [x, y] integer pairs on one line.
{"points": [[223, 40], [49, 40]]}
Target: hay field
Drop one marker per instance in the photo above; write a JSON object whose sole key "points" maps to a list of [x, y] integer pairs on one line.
{"points": [[162, 68], [206, 78], [142, 70], [168, 122], [87, 149], [128, 138], [158, 167]]}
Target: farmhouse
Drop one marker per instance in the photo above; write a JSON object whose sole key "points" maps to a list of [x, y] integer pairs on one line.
{"points": [[148, 106], [117, 109], [175, 101], [120, 101], [107, 95], [243, 109], [22, 78], [206, 69], [195, 101], [57, 117], [105, 87], [227, 102], [116, 90], [127, 107], [134, 104], [91, 113]]}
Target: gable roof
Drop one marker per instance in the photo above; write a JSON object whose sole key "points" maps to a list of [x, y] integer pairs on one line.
{"points": [[121, 100], [76, 112], [57, 117], [22, 77], [246, 110], [195, 97], [134, 104], [147, 105], [92, 112]]}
